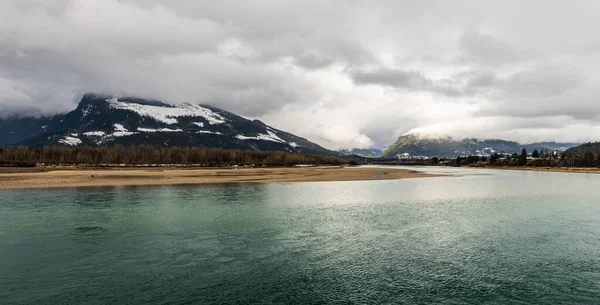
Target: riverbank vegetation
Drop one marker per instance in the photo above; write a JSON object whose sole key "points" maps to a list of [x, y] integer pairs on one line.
{"points": [[583, 156], [151, 155]]}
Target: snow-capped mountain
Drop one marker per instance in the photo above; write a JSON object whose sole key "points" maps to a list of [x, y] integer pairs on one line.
{"points": [[413, 145], [107, 120], [362, 152]]}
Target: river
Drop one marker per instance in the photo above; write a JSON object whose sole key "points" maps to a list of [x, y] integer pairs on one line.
{"points": [[478, 236]]}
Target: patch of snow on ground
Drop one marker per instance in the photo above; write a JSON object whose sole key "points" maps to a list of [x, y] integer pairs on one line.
{"points": [[294, 144], [270, 136], [168, 115], [94, 133], [121, 131], [208, 131], [71, 141], [119, 134], [158, 130], [199, 124], [102, 137], [119, 127], [75, 135]]}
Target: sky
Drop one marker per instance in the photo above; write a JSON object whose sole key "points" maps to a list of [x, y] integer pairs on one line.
{"points": [[344, 74]]}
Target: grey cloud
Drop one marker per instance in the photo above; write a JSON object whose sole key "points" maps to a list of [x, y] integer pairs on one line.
{"points": [[578, 104], [481, 79], [410, 80], [365, 70], [390, 126], [537, 82], [10, 109], [487, 49], [107, 27], [322, 52], [542, 82], [313, 61]]}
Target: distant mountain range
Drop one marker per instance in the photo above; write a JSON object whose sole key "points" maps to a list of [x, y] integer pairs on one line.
{"points": [[370, 153], [449, 147], [593, 147], [107, 120]]}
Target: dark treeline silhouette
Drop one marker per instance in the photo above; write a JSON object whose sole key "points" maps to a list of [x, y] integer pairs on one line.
{"points": [[148, 155], [536, 158], [586, 155]]}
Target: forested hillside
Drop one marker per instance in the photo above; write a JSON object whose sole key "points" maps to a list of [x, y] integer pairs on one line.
{"points": [[152, 155]]}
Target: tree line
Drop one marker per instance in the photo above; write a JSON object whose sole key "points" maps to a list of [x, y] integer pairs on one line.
{"points": [[148, 155], [586, 155], [501, 159]]}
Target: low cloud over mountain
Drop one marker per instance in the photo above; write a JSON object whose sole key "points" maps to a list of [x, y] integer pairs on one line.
{"points": [[343, 74]]}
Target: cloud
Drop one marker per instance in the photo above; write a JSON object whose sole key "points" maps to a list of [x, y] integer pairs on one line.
{"points": [[411, 80], [343, 74], [487, 49], [536, 82], [107, 26]]}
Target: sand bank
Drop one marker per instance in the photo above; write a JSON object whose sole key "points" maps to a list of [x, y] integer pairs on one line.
{"points": [[72, 177]]}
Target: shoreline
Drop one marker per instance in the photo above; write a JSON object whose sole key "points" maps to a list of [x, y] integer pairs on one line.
{"points": [[580, 170], [43, 177]]}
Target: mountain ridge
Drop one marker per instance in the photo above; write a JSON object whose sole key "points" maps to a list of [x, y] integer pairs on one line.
{"points": [[362, 152], [416, 145], [101, 119]]}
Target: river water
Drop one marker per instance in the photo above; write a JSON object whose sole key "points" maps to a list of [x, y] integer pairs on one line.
{"points": [[479, 236]]}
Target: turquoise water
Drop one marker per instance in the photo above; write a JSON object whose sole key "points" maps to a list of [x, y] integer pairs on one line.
{"points": [[493, 237]]}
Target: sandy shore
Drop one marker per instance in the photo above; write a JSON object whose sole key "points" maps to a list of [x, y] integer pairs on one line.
{"points": [[71, 177]]}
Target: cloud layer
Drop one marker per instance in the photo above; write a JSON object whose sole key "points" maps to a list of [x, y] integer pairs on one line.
{"points": [[341, 73]]}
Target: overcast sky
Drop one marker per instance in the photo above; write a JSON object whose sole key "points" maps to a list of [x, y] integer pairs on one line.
{"points": [[340, 73]]}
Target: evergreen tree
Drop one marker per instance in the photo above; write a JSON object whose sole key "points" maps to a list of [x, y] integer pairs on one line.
{"points": [[523, 158], [588, 158], [494, 157]]}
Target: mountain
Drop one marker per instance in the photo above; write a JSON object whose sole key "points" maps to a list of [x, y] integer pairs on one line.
{"points": [[362, 152], [593, 147], [107, 120], [414, 145], [16, 129], [549, 146]]}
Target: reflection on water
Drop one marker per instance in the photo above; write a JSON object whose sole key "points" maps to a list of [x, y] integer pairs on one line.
{"points": [[479, 236]]}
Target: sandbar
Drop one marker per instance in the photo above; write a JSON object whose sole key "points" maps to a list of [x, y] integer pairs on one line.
{"points": [[44, 177]]}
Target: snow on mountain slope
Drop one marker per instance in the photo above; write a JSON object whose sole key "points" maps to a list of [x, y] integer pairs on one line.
{"points": [[107, 120], [168, 115], [119, 127], [209, 132], [159, 130], [70, 141], [121, 131], [94, 133], [270, 136]]}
